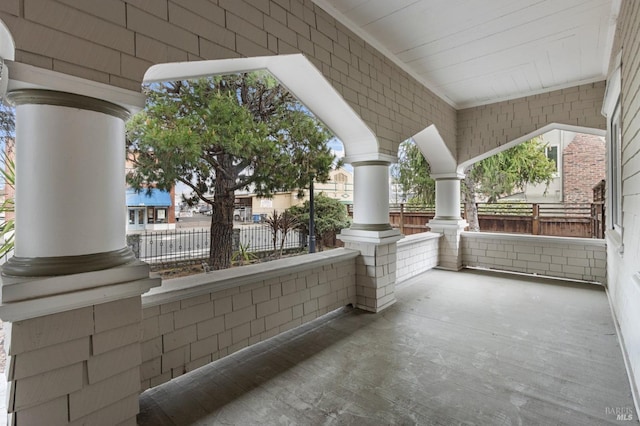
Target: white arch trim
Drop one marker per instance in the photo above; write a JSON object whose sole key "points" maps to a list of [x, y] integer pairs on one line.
{"points": [[7, 45], [302, 79], [7, 52], [538, 132], [435, 151]]}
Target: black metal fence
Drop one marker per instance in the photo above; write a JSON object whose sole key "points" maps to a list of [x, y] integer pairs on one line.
{"points": [[192, 245]]}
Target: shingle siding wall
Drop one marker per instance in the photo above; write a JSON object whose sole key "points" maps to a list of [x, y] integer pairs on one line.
{"points": [[116, 41], [415, 254], [78, 366], [573, 258], [487, 127], [624, 268], [187, 326]]}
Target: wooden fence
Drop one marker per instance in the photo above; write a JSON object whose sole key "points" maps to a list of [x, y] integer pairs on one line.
{"points": [[561, 220]]}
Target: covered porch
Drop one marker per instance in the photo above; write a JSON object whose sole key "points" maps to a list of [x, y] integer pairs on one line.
{"points": [[89, 329], [457, 347]]}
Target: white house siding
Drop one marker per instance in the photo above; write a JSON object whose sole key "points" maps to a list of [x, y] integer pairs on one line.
{"points": [[624, 269]]}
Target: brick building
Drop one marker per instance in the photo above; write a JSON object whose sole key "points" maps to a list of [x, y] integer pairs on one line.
{"points": [[580, 160], [584, 165]]}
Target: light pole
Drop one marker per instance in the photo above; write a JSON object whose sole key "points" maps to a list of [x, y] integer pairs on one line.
{"points": [[312, 230]]}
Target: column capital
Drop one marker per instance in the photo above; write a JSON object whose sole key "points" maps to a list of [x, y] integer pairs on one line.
{"points": [[448, 176], [24, 76], [370, 163], [358, 159], [65, 99]]}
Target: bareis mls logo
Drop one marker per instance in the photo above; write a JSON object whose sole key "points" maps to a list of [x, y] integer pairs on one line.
{"points": [[621, 413]]}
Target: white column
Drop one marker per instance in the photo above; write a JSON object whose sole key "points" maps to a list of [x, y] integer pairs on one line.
{"points": [[448, 198], [371, 196], [73, 284], [448, 221], [373, 236], [70, 188]]}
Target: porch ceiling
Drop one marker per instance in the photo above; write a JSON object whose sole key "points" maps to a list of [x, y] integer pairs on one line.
{"points": [[477, 52]]}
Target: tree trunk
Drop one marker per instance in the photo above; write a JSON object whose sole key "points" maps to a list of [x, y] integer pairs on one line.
{"points": [[470, 207], [222, 218]]}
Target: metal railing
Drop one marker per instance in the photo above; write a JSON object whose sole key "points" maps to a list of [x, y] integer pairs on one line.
{"points": [[192, 245]]}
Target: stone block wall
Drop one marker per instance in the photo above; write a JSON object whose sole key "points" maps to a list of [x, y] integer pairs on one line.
{"points": [[415, 254], [76, 367], [572, 258], [192, 321], [375, 273]]}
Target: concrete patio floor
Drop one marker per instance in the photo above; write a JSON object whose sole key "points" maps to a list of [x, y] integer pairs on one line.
{"points": [[465, 347]]}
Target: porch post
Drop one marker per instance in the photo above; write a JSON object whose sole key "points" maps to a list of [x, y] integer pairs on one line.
{"points": [[372, 234], [71, 295], [448, 221]]}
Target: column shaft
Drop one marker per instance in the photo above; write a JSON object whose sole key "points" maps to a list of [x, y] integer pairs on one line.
{"points": [[372, 235], [70, 189], [448, 199], [371, 196], [448, 221], [71, 296]]}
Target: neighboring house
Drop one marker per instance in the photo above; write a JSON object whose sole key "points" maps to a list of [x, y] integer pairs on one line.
{"points": [[584, 163], [150, 211], [153, 211], [580, 164], [339, 187]]}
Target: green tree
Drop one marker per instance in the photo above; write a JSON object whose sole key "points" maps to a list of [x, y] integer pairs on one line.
{"points": [[504, 174], [493, 178], [221, 134], [7, 121], [412, 173], [329, 218]]}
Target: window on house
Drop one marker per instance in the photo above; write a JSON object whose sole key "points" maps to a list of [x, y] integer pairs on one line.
{"points": [[161, 215], [552, 154], [341, 178]]}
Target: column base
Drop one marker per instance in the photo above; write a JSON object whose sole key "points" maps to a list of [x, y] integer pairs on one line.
{"points": [[449, 256], [66, 265], [73, 346], [375, 267]]}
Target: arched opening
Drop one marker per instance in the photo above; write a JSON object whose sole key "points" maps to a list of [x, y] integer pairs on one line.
{"points": [[255, 202], [529, 136], [304, 81], [543, 183]]}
